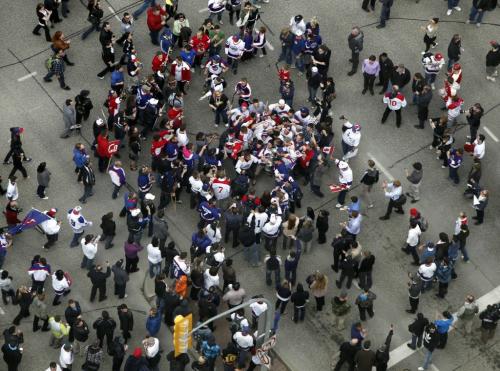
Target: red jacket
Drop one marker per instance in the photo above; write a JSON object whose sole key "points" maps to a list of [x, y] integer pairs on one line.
{"points": [[305, 161], [185, 73], [200, 45], [157, 146], [102, 146], [156, 64], [11, 216], [175, 115], [154, 21]]}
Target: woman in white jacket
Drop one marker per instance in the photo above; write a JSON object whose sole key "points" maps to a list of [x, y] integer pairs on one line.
{"points": [[259, 42], [154, 257], [60, 284]]}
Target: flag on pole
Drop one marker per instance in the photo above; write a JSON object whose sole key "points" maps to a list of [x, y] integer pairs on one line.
{"points": [[31, 220]]}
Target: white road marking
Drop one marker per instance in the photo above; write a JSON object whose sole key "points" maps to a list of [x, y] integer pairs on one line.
{"points": [[27, 76], [268, 44], [434, 367], [114, 13], [380, 166], [402, 352], [490, 133], [203, 10]]}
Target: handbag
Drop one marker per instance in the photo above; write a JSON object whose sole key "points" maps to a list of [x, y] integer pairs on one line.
{"points": [[401, 200]]}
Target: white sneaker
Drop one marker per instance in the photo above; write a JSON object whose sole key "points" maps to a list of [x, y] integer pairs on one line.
{"points": [[433, 46], [495, 73], [422, 52], [220, 22], [338, 206], [262, 56], [457, 8], [467, 21], [126, 296], [370, 206], [193, 70], [265, 1], [449, 11], [478, 24], [433, 86], [45, 198], [421, 369], [257, 6]]}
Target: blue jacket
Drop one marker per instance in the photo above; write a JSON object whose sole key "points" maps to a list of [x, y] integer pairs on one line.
{"points": [[153, 324], [209, 213], [453, 251], [298, 45], [188, 57], [79, 158], [144, 182], [116, 77], [443, 273], [166, 40], [201, 242]]}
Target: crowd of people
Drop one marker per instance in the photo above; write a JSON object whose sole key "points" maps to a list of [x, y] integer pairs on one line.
{"points": [[290, 144]]}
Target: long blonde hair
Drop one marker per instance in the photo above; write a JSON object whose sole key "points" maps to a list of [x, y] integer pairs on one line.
{"points": [[291, 222], [320, 281]]}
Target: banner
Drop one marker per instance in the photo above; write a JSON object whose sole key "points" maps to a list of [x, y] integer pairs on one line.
{"points": [[113, 146], [31, 220], [182, 339]]}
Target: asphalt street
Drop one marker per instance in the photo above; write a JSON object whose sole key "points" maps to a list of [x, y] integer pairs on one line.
{"points": [[27, 101]]}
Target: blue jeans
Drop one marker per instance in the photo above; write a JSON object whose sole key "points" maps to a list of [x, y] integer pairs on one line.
{"points": [[286, 55], [154, 37], [299, 62], [475, 16], [277, 277], [76, 239], [452, 4], [145, 5], [430, 77], [454, 174], [451, 62], [416, 341], [464, 252], [427, 359], [87, 192], [87, 263], [384, 15], [291, 276], [312, 93], [255, 254], [60, 77], [154, 269], [341, 196]]}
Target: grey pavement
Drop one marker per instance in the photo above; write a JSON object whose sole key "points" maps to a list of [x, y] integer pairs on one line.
{"points": [[35, 105]]}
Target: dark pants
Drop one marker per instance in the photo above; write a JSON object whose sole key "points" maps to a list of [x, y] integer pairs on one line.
{"points": [[442, 289], [24, 311], [422, 114], [95, 26], [102, 292], [277, 275], [341, 362], [233, 63], [443, 339], [473, 132], [18, 166], [40, 191], [120, 290], [36, 31], [154, 37], [429, 41], [87, 192], [109, 339], [220, 115], [107, 69], [298, 314], [117, 363], [131, 264], [414, 304], [343, 276], [60, 78], [281, 304], [6, 294], [480, 216], [233, 11], [365, 280], [385, 14], [453, 174], [364, 5], [341, 196], [369, 80], [393, 204], [363, 311], [291, 276], [45, 326], [235, 231], [386, 114], [354, 60], [320, 302]]}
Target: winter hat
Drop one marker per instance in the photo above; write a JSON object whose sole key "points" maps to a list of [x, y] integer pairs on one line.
{"points": [[304, 110], [457, 67], [149, 196], [413, 212], [314, 69], [135, 212], [494, 44], [356, 127], [438, 56], [298, 18], [244, 104], [77, 209], [52, 212], [137, 352], [281, 102]]}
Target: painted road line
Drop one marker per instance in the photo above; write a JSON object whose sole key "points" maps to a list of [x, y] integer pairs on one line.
{"points": [[380, 166], [31, 75], [114, 13], [268, 44], [203, 10], [402, 352], [490, 133], [434, 368]]}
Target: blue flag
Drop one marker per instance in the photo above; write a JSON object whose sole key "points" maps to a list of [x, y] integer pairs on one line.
{"points": [[31, 220]]}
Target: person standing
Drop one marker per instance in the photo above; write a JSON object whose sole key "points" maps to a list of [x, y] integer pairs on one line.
{"points": [[105, 327], [489, 321], [365, 357], [69, 118], [385, 13], [340, 310], [371, 69], [430, 34], [234, 50], [386, 68], [319, 286], [77, 223], [89, 249], [467, 313], [395, 101], [88, 178], [430, 341], [83, 106], [364, 301], [313, 83], [108, 227], [443, 324], [355, 42], [394, 192], [12, 355], [365, 269], [155, 21], [40, 313], [477, 10], [415, 180], [98, 279], [120, 277], [492, 61], [126, 321], [412, 241], [455, 159], [66, 357], [71, 314], [422, 100], [480, 206], [348, 351], [43, 16], [118, 178], [454, 48], [416, 329], [93, 357], [299, 299]]}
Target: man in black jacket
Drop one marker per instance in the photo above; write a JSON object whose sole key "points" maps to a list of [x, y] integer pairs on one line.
{"points": [[400, 76], [72, 313], [431, 339], [98, 279], [106, 36], [386, 67], [385, 13], [492, 61], [341, 244], [365, 270], [416, 329], [473, 116], [105, 326], [348, 350], [355, 41], [454, 50], [88, 177]]}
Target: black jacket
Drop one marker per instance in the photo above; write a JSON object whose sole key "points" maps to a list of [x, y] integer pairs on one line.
{"points": [[136, 364], [105, 38], [71, 314], [348, 351], [246, 235], [431, 339], [87, 175], [126, 320], [299, 298], [81, 333], [108, 226], [454, 49], [385, 66], [356, 42], [104, 326], [366, 264], [108, 55], [400, 79], [493, 58], [98, 278], [418, 325]]}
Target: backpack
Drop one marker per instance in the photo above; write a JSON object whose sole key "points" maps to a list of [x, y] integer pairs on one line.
{"points": [[401, 200], [49, 62], [377, 173]]}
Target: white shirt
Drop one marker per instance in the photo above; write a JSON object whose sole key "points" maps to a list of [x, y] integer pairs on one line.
{"points": [[393, 192], [210, 280], [260, 220], [153, 350], [427, 272], [258, 308], [479, 149], [196, 184], [182, 138], [354, 225], [154, 254], [214, 235], [297, 28], [221, 188], [243, 341], [59, 285], [12, 192], [181, 265], [413, 236], [66, 358], [243, 320], [50, 226], [351, 137], [89, 249], [39, 274], [345, 176]]}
